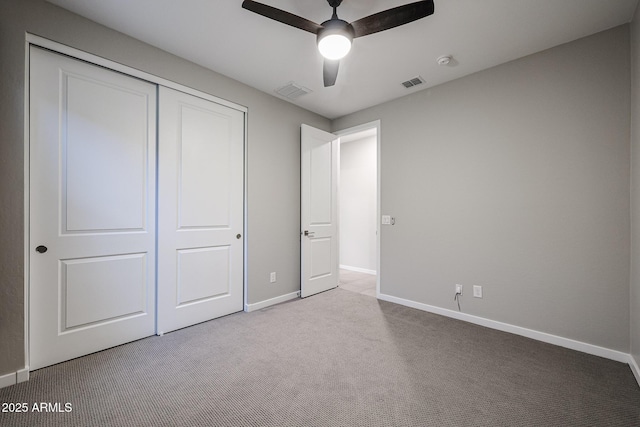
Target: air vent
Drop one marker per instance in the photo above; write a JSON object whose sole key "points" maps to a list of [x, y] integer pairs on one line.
{"points": [[292, 91], [413, 82]]}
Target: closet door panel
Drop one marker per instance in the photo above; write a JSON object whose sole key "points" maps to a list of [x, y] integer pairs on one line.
{"points": [[200, 216], [92, 208]]}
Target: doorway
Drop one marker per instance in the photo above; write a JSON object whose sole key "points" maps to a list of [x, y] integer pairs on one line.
{"points": [[358, 209]]}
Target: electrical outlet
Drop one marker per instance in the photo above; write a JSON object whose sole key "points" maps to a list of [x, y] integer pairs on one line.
{"points": [[458, 289], [477, 291], [272, 277]]}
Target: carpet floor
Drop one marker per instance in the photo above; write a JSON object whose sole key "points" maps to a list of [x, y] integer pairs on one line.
{"points": [[335, 359]]}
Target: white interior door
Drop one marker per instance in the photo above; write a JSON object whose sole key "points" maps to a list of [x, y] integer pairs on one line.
{"points": [[92, 208], [319, 211], [200, 210]]}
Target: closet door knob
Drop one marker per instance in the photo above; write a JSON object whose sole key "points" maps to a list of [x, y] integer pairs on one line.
{"points": [[238, 236], [41, 249]]}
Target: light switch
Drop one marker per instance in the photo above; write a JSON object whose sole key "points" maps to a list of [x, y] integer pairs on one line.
{"points": [[386, 219]]}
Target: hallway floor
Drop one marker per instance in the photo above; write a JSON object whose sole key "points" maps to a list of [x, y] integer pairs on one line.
{"points": [[361, 283]]}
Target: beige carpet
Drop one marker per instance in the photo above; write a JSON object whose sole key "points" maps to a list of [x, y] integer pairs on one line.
{"points": [[334, 359]]}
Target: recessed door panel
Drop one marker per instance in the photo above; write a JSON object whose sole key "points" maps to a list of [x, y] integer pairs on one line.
{"points": [[204, 168], [103, 289], [103, 155], [203, 274], [321, 254], [91, 208], [321, 182], [200, 210]]}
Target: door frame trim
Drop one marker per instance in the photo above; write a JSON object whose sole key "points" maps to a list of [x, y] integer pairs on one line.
{"points": [[355, 129], [38, 41]]}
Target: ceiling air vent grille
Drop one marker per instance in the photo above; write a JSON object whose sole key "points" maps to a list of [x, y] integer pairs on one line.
{"points": [[292, 91], [413, 82]]}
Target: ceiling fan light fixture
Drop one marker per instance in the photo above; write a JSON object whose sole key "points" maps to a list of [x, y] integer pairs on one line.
{"points": [[334, 39], [334, 46]]}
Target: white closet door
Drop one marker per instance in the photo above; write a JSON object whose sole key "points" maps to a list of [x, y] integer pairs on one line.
{"points": [[200, 210], [92, 208]]}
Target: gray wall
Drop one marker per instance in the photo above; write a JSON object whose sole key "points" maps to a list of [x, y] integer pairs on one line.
{"points": [[517, 179], [358, 199], [635, 187], [273, 155]]}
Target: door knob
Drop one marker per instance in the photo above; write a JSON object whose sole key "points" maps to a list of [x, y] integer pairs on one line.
{"points": [[41, 249], [238, 236], [309, 233]]}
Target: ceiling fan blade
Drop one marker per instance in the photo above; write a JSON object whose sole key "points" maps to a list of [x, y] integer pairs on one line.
{"points": [[392, 17], [330, 71], [281, 16]]}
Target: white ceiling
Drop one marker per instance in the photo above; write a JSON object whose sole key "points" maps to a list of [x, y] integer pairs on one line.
{"points": [[265, 54]]}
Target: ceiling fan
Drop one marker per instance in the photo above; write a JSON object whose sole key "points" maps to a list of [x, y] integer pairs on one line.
{"points": [[334, 36]]}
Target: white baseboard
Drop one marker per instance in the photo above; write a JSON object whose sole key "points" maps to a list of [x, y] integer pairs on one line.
{"points": [[269, 302], [14, 378], [505, 327], [7, 380], [22, 375], [358, 269], [633, 364]]}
